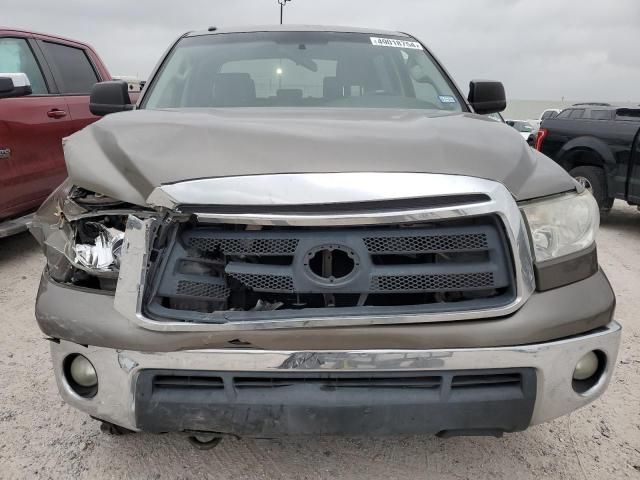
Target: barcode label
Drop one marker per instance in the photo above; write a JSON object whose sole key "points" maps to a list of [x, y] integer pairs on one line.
{"points": [[393, 42]]}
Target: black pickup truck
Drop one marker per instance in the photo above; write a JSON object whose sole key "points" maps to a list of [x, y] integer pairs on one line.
{"points": [[598, 145]]}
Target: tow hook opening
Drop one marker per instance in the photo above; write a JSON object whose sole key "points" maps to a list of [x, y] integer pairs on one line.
{"points": [[588, 371]]}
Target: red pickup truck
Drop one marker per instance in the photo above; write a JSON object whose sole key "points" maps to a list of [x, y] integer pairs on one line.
{"points": [[45, 83]]}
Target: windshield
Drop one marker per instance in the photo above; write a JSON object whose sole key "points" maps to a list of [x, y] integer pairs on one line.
{"points": [[300, 69]]}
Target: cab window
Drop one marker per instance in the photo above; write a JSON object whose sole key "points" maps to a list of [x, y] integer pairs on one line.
{"points": [[16, 57], [72, 67]]}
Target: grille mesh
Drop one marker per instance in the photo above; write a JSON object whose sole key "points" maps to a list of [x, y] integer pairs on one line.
{"points": [[450, 282], [198, 289], [434, 243], [276, 283], [246, 246]]}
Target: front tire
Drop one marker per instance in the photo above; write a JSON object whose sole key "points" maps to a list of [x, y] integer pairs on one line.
{"points": [[594, 180]]}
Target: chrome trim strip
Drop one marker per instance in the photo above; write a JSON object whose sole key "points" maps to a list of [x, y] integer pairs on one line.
{"points": [[554, 363], [130, 289], [312, 189], [133, 269]]}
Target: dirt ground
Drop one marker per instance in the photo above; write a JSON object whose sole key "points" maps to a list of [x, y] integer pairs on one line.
{"points": [[41, 437]]}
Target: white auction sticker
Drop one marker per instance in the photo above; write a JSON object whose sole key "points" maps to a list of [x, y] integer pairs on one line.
{"points": [[393, 42], [447, 99]]}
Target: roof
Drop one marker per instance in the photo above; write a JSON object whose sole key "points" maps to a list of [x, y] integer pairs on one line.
{"points": [[592, 106], [295, 28], [48, 35]]}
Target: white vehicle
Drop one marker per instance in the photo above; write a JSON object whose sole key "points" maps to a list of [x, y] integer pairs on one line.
{"points": [[525, 129], [549, 113], [134, 84]]}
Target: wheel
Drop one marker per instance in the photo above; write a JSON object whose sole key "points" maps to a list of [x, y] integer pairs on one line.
{"points": [[594, 180], [111, 429], [204, 442]]}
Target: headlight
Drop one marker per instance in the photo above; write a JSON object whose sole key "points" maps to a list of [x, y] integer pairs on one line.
{"points": [[562, 225], [86, 252], [101, 250], [82, 234]]}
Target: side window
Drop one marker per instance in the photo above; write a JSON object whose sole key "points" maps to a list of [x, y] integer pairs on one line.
{"points": [[577, 113], [16, 57], [600, 114], [564, 114], [72, 68]]}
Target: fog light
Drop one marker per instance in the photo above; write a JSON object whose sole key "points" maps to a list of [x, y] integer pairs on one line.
{"points": [[82, 372], [586, 367]]}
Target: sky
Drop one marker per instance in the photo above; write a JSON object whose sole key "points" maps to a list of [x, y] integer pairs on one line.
{"points": [[540, 49]]}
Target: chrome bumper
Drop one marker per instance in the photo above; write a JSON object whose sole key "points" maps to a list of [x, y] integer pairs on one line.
{"points": [[554, 363]]}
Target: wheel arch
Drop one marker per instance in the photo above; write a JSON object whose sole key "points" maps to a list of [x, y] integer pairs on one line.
{"points": [[589, 151]]}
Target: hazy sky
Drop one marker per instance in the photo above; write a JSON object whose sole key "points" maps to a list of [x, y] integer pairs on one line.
{"points": [[540, 49]]}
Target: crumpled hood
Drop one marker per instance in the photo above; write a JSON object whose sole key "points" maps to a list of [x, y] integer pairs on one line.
{"points": [[127, 155]]}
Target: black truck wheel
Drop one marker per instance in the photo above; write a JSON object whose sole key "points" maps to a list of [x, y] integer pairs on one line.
{"points": [[594, 180]]}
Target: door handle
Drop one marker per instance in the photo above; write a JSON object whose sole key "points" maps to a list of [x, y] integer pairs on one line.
{"points": [[56, 113]]}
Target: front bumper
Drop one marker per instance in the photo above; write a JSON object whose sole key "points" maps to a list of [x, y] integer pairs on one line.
{"points": [[122, 374]]}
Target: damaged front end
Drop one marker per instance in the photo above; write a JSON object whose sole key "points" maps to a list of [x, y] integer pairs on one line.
{"points": [[82, 235], [172, 266], [193, 317]]}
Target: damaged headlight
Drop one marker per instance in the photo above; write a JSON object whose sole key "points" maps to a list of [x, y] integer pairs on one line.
{"points": [[86, 252], [562, 225], [82, 235], [98, 246]]}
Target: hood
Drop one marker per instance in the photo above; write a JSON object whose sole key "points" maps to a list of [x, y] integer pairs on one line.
{"points": [[126, 155]]}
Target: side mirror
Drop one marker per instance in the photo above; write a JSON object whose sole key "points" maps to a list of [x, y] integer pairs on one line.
{"points": [[110, 97], [486, 96], [14, 85]]}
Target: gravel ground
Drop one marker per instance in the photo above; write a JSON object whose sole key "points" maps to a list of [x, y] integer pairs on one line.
{"points": [[41, 437]]}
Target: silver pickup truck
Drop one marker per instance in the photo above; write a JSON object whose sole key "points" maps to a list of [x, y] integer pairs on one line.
{"points": [[310, 230]]}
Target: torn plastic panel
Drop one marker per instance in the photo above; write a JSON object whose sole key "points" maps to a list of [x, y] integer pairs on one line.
{"points": [[48, 220], [94, 200]]}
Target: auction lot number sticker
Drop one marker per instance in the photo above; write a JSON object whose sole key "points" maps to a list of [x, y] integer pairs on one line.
{"points": [[392, 42]]}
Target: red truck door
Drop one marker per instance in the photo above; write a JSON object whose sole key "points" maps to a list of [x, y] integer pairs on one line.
{"points": [[31, 128], [76, 71]]}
